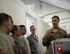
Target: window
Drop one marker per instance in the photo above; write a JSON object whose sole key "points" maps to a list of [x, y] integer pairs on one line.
{"points": [[29, 22]]}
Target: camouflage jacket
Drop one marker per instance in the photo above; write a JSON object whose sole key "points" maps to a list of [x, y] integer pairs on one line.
{"points": [[51, 35]]}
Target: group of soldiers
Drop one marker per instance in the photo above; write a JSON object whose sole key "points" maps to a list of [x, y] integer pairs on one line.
{"points": [[12, 37], [16, 43]]}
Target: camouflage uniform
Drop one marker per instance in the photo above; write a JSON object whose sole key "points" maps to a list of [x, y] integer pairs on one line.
{"points": [[51, 35]]}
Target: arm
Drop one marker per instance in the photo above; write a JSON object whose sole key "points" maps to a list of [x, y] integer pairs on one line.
{"points": [[24, 50], [45, 39], [22, 43], [15, 49], [64, 34], [3, 46]]}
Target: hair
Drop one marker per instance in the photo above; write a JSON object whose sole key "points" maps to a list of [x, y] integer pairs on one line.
{"points": [[21, 26], [55, 17], [4, 17], [24, 28], [14, 29], [32, 26]]}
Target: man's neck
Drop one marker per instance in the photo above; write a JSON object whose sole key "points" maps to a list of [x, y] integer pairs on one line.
{"points": [[33, 34], [23, 34], [56, 27]]}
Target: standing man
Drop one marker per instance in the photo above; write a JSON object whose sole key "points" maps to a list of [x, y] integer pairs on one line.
{"points": [[52, 34], [6, 43], [16, 32], [33, 41], [23, 41]]}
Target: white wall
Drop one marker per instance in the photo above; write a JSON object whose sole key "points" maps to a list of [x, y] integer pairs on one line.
{"points": [[42, 28], [1, 6], [15, 10]]}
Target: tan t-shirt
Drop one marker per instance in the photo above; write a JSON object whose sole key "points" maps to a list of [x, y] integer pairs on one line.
{"points": [[6, 42], [24, 42]]}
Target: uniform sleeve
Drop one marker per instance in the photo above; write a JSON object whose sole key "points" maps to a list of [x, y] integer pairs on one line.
{"points": [[65, 34], [45, 40], [21, 41], [3, 43]]}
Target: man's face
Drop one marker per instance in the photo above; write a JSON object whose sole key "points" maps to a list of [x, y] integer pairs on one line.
{"points": [[18, 32], [9, 25], [23, 30], [33, 29], [55, 22]]}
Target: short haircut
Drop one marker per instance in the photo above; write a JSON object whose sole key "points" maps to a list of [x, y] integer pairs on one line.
{"points": [[32, 26], [55, 17], [4, 17], [14, 29], [21, 26]]}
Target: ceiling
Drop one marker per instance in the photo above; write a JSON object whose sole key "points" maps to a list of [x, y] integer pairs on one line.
{"points": [[59, 3]]}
